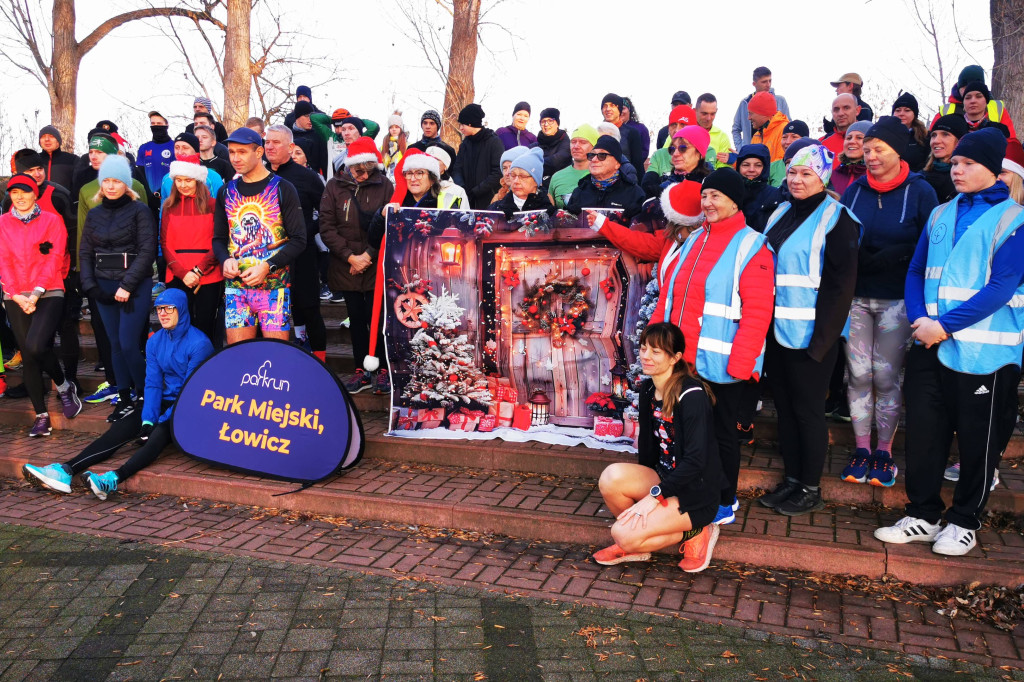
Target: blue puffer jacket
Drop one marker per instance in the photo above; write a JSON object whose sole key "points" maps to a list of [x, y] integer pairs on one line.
{"points": [[891, 222], [171, 357]]}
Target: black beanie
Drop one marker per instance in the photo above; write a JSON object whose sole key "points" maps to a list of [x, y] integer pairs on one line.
{"points": [[906, 100], [796, 146], [610, 145], [614, 99], [986, 146], [551, 112], [189, 139], [891, 131], [303, 108], [107, 126], [472, 115], [728, 182], [24, 159], [978, 86], [52, 130], [798, 127], [522, 106], [954, 124]]}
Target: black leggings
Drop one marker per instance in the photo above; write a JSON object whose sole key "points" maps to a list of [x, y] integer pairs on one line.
{"points": [[203, 308], [360, 312], [70, 348], [727, 404], [316, 330], [35, 334], [121, 433]]}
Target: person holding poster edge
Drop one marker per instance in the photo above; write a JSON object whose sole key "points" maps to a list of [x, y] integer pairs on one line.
{"points": [[172, 354], [671, 495]]}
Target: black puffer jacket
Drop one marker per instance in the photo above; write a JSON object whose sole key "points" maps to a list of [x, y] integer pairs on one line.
{"points": [[624, 195], [116, 227], [538, 201], [760, 199], [477, 167], [556, 153]]}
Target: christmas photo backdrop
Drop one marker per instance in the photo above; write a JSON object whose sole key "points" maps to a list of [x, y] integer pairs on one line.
{"points": [[521, 328]]}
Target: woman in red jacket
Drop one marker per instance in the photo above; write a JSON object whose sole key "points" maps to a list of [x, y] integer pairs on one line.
{"points": [[32, 271], [706, 279], [186, 239]]}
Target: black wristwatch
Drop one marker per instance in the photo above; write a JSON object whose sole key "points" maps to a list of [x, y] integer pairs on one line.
{"points": [[273, 268]]}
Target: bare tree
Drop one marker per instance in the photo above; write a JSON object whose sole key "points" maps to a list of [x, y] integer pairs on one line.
{"points": [[237, 64], [932, 22], [1007, 18], [50, 53], [456, 64]]}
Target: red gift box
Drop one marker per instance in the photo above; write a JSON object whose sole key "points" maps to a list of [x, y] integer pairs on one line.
{"points": [[631, 427], [464, 420], [502, 412], [501, 390], [522, 417], [430, 419], [607, 426], [487, 423], [406, 424]]}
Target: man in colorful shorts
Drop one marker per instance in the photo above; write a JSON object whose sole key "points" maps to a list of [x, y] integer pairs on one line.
{"points": [[258, 231]]}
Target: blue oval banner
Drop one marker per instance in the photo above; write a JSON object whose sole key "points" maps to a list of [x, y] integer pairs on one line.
{"points": [[267, 407]]}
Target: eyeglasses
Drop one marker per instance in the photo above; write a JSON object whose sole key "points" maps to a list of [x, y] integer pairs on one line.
{"points": [[165, 309], [417, 173], [681, 148], [520, 176], [600, 156]]}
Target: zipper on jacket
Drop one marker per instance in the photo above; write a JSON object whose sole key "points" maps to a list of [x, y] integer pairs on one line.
{"points": [[686, 291]]}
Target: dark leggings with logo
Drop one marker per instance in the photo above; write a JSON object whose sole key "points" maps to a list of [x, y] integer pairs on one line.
{"points": [[121, 433]]}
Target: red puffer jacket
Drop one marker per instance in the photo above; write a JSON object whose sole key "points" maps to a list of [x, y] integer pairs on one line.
{"points": [[757, 286], [23, 265], [186, 238]]}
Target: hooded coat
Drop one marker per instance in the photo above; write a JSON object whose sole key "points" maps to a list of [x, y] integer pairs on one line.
{"points": [[171, 357], [760, 198], [477, 167]]}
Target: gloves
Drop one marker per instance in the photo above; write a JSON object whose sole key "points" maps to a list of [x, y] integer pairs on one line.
{"points": [[508, 213], [552, 211], [145, 432], [99, 296]]}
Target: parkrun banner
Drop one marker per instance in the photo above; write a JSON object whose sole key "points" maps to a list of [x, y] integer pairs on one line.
{"points": [[267, 407]]}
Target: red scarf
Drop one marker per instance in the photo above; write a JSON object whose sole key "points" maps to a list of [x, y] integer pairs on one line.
{"points": [[883, 187]]}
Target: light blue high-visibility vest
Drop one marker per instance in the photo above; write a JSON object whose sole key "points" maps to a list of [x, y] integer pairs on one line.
{"points": [[956, 272], [722, 304], [798, 266]]}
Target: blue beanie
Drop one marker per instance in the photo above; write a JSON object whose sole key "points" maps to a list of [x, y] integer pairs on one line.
{"points": [[304, 90], [986, 146], [117, 167], [512, 155], [533, 163]]}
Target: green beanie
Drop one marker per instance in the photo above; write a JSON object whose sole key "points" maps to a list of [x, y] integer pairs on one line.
{"points": [[970, 74], [103, 143], [587, 132]]}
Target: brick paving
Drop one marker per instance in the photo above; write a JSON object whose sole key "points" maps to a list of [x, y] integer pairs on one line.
{"points": [[851, 613]]}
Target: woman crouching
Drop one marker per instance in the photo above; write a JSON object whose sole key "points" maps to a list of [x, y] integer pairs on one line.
{"points": [[671, 496]]}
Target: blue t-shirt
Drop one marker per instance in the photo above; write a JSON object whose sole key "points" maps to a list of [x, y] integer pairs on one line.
{"points": [[155, 158]]}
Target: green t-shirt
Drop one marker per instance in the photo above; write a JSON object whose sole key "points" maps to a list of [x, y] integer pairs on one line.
{"points": [[777, 173], [562, 183]]}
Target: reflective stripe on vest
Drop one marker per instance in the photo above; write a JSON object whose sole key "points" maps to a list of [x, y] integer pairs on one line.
{"points": [[798, 266], [955, 272], [445, 200], [994, 109], [723, 306]]}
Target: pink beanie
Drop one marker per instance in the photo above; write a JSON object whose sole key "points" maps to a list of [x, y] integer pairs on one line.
{"points": [[696, 136]]}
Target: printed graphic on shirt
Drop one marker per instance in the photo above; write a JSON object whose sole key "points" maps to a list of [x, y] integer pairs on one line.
{"points": [[664, 435], [256, 231]]}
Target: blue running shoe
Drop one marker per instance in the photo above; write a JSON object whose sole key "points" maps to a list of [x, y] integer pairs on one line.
{"points": [[103, 392], [158, 289], [725, 515], [101, 484], [857, 470], [52, 477], [883, 470]]}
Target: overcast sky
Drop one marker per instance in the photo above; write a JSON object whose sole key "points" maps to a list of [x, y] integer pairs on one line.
{"points": [[565, 54]]}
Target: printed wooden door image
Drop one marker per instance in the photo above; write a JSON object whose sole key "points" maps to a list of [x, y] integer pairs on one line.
{"points": [[559, 325]]}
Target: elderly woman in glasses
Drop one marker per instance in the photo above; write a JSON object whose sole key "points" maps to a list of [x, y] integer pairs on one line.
{"points": [[525, 175], [606, 187]]}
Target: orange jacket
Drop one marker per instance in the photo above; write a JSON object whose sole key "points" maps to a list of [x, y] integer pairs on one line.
{"points": [[771, 135]]}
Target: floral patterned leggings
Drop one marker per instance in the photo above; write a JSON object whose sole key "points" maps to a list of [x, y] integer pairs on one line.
{"points": [[879, 338]]}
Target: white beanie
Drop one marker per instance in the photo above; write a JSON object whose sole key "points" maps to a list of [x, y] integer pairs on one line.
{"points": [[187, 169], [606, 128], [441, 155], [395, 119], [424, 161]]}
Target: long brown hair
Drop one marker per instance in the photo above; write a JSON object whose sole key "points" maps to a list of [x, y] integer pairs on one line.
{"points": [[669, 338], [204, 202]]}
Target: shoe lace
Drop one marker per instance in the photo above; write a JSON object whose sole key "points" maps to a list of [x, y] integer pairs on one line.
{"points": [[906, 522], [40, 421]]}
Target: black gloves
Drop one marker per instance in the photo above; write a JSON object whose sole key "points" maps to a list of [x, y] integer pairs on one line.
{"points": [[145, 432]]}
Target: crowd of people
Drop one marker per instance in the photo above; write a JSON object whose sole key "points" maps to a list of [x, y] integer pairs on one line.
{"points": [[880, 259]]}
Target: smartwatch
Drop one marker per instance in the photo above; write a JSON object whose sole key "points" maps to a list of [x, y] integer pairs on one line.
{"points": [[273, 268], [656, 494]]}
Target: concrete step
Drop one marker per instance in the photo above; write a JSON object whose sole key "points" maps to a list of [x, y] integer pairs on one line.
{"points": [[558, 508], [760, 469]]}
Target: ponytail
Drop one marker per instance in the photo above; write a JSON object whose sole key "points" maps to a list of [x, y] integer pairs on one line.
{"points": [[669, 338]]}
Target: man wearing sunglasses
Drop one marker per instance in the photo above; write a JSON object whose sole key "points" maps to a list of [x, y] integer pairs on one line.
{"points": [[172, 354], [606, 187]]}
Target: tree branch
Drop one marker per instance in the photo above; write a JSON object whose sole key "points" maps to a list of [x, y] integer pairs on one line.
{"points": [[110, 24]]}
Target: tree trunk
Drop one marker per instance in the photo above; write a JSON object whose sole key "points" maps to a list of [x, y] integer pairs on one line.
{"points": [[63, 84], [1007, 18], [237, 65], [459, 90]]}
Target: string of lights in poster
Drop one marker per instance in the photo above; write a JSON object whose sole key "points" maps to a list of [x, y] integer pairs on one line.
{"points": [[521, 328]]}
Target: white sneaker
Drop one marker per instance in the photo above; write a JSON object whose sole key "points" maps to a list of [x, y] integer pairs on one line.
{"points": [[908, 529], [995, 480], [954, 540], [952, 473]]}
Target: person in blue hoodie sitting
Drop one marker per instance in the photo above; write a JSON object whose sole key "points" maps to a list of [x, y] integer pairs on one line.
{"points": [[172, 354]]}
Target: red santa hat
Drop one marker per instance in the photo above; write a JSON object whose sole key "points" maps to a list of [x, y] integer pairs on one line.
{"points": [[188, 167], [681, 203], [1014, 161], [363, 150]]}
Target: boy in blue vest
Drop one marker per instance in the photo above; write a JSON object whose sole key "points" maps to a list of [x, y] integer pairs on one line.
{"points": [[963, 296]]}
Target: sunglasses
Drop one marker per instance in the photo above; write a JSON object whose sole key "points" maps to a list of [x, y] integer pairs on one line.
{"points": [[677, 148], [600, 156]]}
